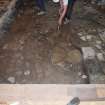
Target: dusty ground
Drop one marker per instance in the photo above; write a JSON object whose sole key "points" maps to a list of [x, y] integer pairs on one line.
{"points": [[34, 51]]}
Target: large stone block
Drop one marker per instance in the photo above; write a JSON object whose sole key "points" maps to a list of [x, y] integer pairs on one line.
{"points": [[88, 53]]}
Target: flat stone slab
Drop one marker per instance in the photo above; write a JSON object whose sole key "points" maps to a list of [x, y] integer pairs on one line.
{"points": [[88, 53]]}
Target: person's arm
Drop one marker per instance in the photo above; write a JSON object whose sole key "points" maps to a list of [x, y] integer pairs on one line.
{"points": [[61, 7], [62, 15]]}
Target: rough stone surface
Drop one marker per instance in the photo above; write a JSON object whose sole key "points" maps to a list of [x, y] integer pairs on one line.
{"points": [[88, 53], [59, 55], [74, 56]]}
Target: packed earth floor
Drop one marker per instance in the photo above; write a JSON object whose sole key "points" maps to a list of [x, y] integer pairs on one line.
{"points": [[35, 51]]}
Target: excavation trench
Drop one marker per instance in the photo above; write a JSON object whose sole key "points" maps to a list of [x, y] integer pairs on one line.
{"points": [[34, 51]]}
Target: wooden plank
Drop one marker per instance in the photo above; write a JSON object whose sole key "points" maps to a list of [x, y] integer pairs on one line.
{"points": [[50, 94]]}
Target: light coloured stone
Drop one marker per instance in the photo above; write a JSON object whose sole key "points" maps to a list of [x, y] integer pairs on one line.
{"points": [[83, 38], [11, 79], [80, 34], [98, 42], [79, 73], [89, 37], [88, 53], [27, 72], [100, 57], [98, 46], [84, 76]]}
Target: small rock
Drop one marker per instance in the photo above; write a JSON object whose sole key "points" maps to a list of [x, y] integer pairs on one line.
{"points": [[80, 34], [21, 42], [79, 73], [88, 52], [100, 57], [98, 42], [26, 73], [84, 76], [5, 46], [83, 38], [98, 46], [89, 37], [11, 79]]}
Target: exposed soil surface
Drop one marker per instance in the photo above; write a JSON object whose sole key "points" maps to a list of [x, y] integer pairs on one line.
{"points": [[34, 51]]}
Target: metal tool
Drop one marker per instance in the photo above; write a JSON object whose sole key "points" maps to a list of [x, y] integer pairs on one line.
{"points": [[74, 101]]}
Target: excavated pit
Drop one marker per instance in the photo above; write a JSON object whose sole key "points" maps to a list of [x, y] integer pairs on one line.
{"points": [[34, 51]]}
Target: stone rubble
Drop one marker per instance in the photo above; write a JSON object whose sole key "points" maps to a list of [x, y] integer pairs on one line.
{"points": [[11, 79]]}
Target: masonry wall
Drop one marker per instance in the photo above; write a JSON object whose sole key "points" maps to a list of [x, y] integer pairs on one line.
{"points": [[7, 16]]}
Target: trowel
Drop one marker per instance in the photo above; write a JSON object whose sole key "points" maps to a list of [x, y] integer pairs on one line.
{"points": [[74, 101]]}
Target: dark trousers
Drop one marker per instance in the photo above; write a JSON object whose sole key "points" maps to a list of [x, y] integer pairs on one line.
{"points": [[20, 4], [70, 9], [41, 4]]}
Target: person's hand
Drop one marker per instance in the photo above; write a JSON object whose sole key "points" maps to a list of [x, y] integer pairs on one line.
{"points": [[60, 11]]}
